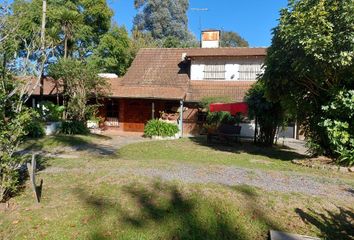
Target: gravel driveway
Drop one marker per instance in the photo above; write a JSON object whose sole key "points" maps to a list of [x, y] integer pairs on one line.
{"points": [[231, 176], [220, 174]]}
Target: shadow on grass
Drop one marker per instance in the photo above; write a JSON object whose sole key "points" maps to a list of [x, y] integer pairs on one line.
{"points": [[332, 224], [74, 142], [253, 208], [276, 152], [163, 211]]}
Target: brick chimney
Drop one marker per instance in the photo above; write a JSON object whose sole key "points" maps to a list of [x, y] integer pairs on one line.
{"points": [[211, 38]]}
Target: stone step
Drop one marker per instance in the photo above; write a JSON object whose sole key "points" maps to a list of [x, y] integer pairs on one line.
{"points": [[276, 235]]}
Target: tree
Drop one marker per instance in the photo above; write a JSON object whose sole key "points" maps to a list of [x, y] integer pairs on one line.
{"points": [[74, 27], [310, 61], [113, 53], [14, 119], [268, 115], [80, 83], [232, 39], [141, 40], [79, 24], [163, 19]]}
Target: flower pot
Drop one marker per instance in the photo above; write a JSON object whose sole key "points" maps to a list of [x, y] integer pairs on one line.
{"points": [[52, 128]]}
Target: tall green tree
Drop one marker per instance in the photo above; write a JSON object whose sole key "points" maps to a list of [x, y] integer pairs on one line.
{"points": [[311, 60], [14, 116], [232, 39], [80, 83], [268, 115], [73, 26], [163, 19], [140, 40], [113, 53]]}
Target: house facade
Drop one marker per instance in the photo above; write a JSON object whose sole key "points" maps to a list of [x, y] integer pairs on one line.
{"points": [[169, 84]]}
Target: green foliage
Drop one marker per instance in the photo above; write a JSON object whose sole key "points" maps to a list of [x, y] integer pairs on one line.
{"points": [[338, 120], [113, 53], [156, 127], [35, 129], [269, 115], [73, 28], [80, 83], [165, 20], [140, 40], [218, 118], [205, 102], [14, 120], [310, 60], [74, 127], [232, 39], [52, 112]]}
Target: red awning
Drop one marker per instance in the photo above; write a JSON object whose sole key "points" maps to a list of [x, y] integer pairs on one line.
{"points": [[232, 108]]}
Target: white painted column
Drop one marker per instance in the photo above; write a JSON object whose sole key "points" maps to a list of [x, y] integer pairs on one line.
{"points": [[181, 118], [153, 110]]}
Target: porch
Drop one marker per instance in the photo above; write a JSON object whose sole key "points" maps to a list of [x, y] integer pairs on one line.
{"points": [[131, 115]]}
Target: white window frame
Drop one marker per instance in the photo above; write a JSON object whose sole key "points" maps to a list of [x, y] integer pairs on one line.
{"points": [[215, 71], [249, 72]]}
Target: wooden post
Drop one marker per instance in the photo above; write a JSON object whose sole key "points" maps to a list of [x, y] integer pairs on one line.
{"points": [[31, 167]]}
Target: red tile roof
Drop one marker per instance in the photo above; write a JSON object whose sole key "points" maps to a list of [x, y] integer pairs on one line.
{"points": [[234, 90], [226, 52], [162, 73]]}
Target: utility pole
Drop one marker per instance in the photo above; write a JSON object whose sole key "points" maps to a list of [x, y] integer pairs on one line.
{"points": [[44, 13]]}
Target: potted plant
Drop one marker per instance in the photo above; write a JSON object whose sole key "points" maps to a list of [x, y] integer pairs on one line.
{"points": [[52, 114]]}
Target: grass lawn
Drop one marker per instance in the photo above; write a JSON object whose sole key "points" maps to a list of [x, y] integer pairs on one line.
{"points": [[86, 197]]}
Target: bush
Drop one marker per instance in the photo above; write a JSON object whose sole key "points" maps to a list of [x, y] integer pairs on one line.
{"points": [[217, 118], [74, 127], [52, 112], [160, 128], [338, 121], [35, 129]]}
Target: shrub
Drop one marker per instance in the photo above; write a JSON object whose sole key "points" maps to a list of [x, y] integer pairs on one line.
{"points": [[269, 115], [160, 128], [217, 118], [35, 129], [52, 112], [338, 121], [74, 127]]}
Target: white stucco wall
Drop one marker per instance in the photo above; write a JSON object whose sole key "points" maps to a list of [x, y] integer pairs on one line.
{"points": [[231, 67], [247, 130]]}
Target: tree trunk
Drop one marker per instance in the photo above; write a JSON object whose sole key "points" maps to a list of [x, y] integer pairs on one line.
{"points": [[44, 13], [65, 47]]}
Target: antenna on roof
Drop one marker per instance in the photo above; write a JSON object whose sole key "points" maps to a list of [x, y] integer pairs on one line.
{"points": [[200, 17]]}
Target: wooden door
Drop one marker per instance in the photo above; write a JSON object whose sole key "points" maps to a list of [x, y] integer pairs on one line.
{"points": [[137, 113]]}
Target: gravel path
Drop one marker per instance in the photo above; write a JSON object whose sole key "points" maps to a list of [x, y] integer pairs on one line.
{"points": [[231, 176], [218, 174]]}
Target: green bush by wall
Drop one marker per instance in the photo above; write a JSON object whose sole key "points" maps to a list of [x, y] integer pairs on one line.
{"points": [[160, 128]]}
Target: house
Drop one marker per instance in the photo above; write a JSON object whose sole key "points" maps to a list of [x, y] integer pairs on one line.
{"points": [[169, 83]]}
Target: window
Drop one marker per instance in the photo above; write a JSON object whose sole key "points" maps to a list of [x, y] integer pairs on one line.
{"points": [[112, 109], [214, 72], [249, 71]]}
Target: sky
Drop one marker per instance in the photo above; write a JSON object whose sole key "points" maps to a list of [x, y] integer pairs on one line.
{"points": [[252, 19]]}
